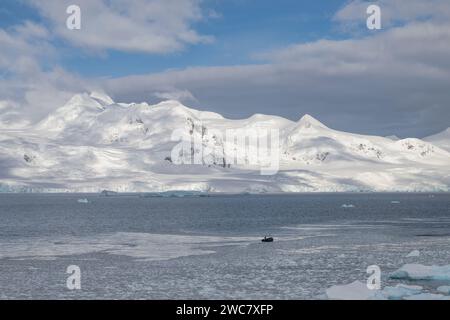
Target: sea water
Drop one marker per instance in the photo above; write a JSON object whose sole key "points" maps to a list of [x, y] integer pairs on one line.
{"points": [[132, 247]]}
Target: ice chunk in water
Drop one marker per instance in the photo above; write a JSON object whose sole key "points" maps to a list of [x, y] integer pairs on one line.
{"points": [[444, 289], [414, 253], [427, 296], [359, 291], [421, 272], [353, 291], [401, 291]]}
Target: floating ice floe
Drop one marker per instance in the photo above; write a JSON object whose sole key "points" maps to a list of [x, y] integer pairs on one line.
{"points": [[414, 253], [83, 201], [353, 291], [401, 291], [359, 291], [421, 272], [427, 296], [444, 289], [348, 206], [143, 246]]}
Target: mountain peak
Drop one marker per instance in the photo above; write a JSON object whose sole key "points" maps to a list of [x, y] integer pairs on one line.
{"points": [[101, 97], [80, 100], [393, 137], [170, 103], [307, 121], [443, 134], [94, 99], [176, 107]]}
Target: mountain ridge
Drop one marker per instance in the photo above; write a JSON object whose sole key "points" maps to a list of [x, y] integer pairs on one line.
{"points": [[92, 143]]}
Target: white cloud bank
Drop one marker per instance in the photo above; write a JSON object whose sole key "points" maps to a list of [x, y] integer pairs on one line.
{"points": [[151, 26], [30, 74]]}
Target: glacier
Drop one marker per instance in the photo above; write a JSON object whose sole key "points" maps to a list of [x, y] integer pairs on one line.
{"points": [[92, 144]]}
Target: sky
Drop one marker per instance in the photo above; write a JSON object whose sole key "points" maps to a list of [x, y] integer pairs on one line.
{"points": [[235, 57]]}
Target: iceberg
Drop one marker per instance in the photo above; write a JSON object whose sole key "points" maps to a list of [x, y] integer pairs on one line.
{"points": [[107, 193]]}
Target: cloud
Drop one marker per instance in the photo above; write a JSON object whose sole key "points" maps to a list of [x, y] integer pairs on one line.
{"points": [[29, 68], [179, 95], [151, 26], [30, 73], [393, 12], [22, 47], [30, 76], [394, 82], [10, 115]]}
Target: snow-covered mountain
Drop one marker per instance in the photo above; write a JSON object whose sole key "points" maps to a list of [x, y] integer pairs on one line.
{"points": [[92, 144], [441, 139]]}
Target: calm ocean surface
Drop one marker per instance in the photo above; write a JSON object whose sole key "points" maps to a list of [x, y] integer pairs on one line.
{"points": [[181, 248]]}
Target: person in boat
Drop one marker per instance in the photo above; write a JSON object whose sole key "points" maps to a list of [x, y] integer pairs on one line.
{"points": [[267, 239]]}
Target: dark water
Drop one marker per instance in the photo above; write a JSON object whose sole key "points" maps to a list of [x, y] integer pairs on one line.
{"points": [[145, 248]]}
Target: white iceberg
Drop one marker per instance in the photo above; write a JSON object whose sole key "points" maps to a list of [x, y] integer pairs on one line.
{"points": [[421, 272], [414, 253]]}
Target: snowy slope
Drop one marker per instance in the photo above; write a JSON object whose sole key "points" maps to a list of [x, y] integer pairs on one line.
{"points": [[441, 140], [92, 143]]}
